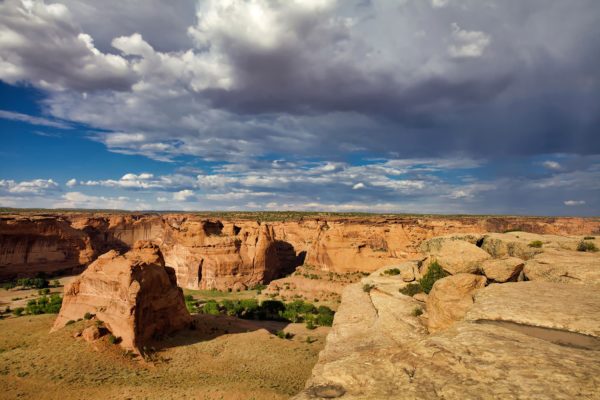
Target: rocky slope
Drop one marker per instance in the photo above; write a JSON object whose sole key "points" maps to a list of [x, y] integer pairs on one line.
{"points": [[471, 336], [134, 295], [236, 252]]}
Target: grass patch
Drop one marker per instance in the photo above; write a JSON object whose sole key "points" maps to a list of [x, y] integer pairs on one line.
{"points": [[536, 244], [411, 289]]}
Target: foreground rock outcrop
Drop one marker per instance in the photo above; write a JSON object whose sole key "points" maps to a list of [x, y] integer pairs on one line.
{"points": [[134, 295], [465, 340]]}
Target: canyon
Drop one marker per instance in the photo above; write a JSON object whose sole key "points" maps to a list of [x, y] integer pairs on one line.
{"points": [[239, 251]]}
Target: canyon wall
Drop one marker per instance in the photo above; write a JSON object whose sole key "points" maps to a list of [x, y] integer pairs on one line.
{"points": [[238, 253]]}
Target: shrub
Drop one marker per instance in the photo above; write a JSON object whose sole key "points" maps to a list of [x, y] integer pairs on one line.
{"points": [[411, 289], [17, 312], [589, 238], [434, 273], [210, 307], [417, 311], [44, 291], [70, 322], [284, 335], [88, 316], [367, 287], [44, 305], [56, 283], [112, 339], [536, 244], [586, 246], [392, 271]]}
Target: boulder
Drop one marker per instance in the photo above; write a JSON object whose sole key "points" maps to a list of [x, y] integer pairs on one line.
{"points": [[436, 244], [91, 333], [456, 256], [503, 270], [134, 294], [450, 299], [564, 266]]}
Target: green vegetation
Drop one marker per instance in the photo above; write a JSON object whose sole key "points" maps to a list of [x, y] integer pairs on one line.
{"points": [[284, 335], [589, 238], [44, 291], [112, 339], [434, 273], [27, 283], [392, 271], [417, 311], [17, 312], [271, 310], [411, 289], [587, 246], [44, 305], [367, 287], [536, 244], [88, 316]]}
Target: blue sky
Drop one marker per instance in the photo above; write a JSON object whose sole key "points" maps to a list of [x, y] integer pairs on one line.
{"points": [[441, 106]]}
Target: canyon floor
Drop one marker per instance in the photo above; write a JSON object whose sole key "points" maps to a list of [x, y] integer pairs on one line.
{"points": [[224, 358]]}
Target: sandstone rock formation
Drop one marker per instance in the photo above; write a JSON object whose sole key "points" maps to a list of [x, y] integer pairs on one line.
{"points": [[207, 252], [450, 299], [457, 256], [134, 294], [502, 269], [512, 340]]}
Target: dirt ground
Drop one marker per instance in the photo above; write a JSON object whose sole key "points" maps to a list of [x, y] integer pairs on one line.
{"points": [[224, 358]]}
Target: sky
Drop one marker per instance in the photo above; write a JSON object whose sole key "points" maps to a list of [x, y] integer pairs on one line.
{"points": [[405, 106]]}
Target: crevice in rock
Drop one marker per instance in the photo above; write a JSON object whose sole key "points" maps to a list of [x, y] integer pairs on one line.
{"points": [[559, 337]]}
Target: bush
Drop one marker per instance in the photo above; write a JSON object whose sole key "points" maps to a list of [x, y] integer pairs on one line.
{"points": [[411, 289], [284, 335], [112, 339], [17, 312], [417, 311], [536, 244], [434, 274], [589, 238], [210, 307], [367, 287], [56, 283], [44, 291], [70, 322], [392, 271], [587, 246], [88, 316]]}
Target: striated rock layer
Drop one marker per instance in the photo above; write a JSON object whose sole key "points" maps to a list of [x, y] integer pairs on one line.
{"points": [[237, 253], [134, 294]]}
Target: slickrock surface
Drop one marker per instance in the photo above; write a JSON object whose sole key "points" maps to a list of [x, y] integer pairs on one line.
{"points": [[134, 294], [516, 340], [503, 269], [564, 266]]}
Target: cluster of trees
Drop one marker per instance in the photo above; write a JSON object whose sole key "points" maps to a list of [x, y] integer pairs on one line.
{"points": [[42, 305], [39, 282], [272, 310]]}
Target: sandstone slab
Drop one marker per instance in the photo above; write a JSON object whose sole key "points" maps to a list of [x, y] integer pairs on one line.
{"points": [[457, 256], [564, 266]]}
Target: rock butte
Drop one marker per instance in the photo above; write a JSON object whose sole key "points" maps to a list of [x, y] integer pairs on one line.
{"points": [[134, 295], [535, 339], [237, 253]]}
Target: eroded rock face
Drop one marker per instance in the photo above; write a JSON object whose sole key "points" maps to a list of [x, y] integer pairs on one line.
{"points": [[134, 294], [450, 299], [212, 253]]}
